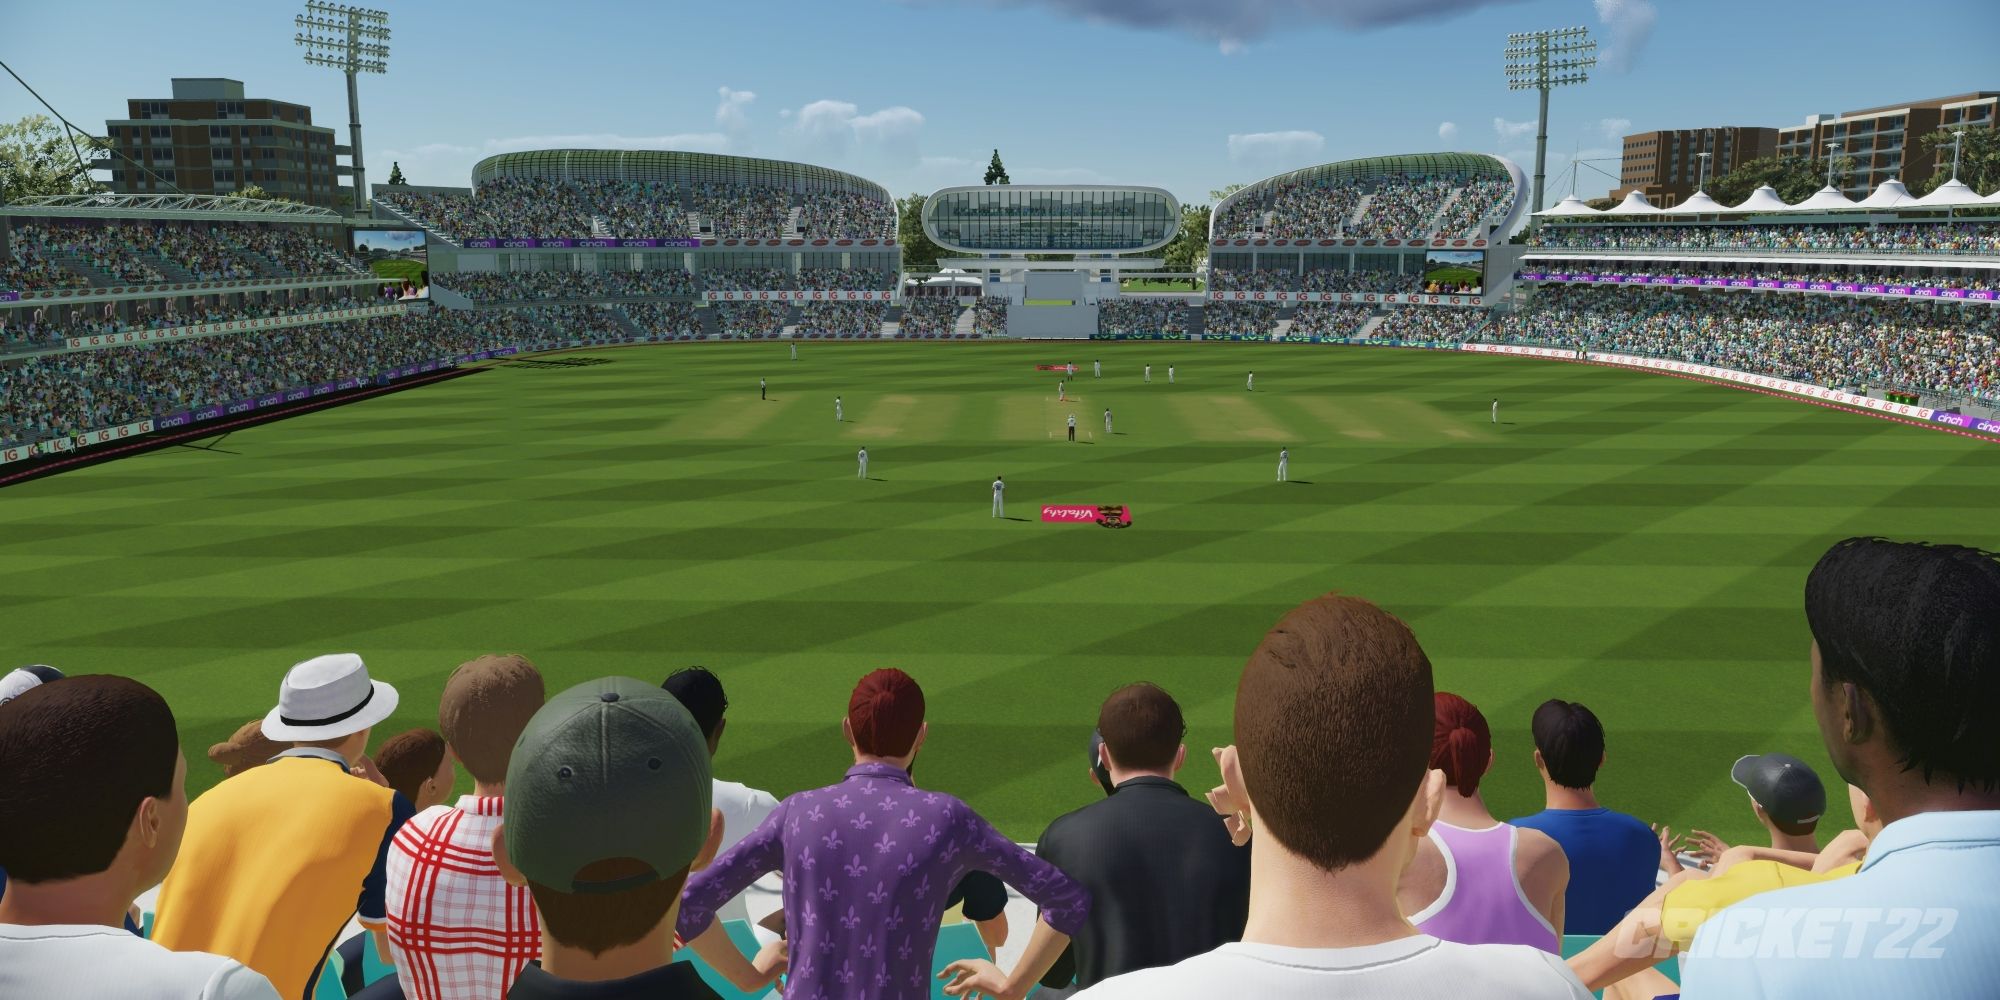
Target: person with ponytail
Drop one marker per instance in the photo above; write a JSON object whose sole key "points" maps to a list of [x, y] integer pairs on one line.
{"points": [[1476, 880]]}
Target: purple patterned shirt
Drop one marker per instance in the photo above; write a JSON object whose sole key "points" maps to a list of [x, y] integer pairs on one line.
{"points": [[868, 863]]}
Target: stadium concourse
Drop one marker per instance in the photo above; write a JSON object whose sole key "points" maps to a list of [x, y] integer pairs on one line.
{"points": [[679, 502]]}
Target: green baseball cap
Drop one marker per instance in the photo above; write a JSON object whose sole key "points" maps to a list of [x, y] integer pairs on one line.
{"points": [[610, 769]]}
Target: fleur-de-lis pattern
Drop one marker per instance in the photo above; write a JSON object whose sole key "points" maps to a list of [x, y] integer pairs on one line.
{"points": [[864, 921]]}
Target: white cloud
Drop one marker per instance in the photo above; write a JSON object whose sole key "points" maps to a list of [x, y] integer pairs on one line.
{"points": [[1510, 130], [1231, 46], [1287, 145], [1448, 131], [1614, 128], [1234, 23], [732, 110], [1627, 25], [830, 127]]}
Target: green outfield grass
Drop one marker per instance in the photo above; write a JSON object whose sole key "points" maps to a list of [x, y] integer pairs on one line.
{"points": [[402, 270], [1453, 275], [1636, 542]]}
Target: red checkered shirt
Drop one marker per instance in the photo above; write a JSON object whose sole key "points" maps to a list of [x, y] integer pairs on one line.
{"points": [[457, 930]]}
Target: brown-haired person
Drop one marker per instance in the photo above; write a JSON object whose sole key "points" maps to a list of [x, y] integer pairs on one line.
{"points": [[95, 790], [279, 857], [1165, 881], [246, 749], [1329, 780], [868, 862], [608, 804], [1476, 880], [457, 929], [417, 764]]}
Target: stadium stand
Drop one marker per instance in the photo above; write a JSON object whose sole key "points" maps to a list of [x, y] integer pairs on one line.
{"points": [[1940, 237], [1239, 319], [1138, 315], [1312, 280], [1422, 324], [543, 207], [928, 319], [1405, 197], [841, 320], [41, 330], [70, 254], [1887, 273], [1329, 321], [990, 318], [666, 320], [748, 279], [529, 286], [752, 320]]}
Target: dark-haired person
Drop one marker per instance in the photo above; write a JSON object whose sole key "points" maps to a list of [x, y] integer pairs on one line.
{"points": [[1329, 781], [1788, 799], [868, 862], [1165, 881], [1475, 879], [96, 762], [279, 857], [418, 766], [607, 806], [457, 929], [1905, 686], [740, 807], [1614, 859]]}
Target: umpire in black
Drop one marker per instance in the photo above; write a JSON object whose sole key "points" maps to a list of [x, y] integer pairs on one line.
{"points": [[1165, 882]]}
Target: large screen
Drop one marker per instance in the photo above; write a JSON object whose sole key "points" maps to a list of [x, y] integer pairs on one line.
{"points": [[396, 253], [1454, 272]]}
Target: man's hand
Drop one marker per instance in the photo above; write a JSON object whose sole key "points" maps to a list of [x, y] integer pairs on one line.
{"points": [[1706, 846], [1668, 862], [365, 769], [975, 978], [1235, 816]]}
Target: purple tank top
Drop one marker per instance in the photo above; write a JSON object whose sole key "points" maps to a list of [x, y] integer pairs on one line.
{"points": [[1482, 902]]}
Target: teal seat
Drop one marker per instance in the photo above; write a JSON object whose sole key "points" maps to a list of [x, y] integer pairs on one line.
{"points": [[955, 942], [328, 987], [745, 940], [372, 966], [1574, 944]]}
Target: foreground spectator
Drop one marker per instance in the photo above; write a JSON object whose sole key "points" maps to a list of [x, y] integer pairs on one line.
{"points": [[1330, 772], [868, 862], [1477, 880], [1905, 680], [94, 788], [608, 806], [417, 765], [457, 930], [741, 807], [1165, 882], [279, 857], [1613, 858]]}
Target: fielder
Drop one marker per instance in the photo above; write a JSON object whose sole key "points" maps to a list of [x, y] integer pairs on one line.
{"points": [[795, 351], [838, 417], [1107, 422], [1061, 393], [1149, 373], [1097, 369], [999, 505], [760, 390], [1072, 369], [863, 456], [1284, 462], [1072, 427], [1496, 411], [1170, 374], [1250, 383]]}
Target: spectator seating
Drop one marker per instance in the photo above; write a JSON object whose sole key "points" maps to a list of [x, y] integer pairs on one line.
{"points": [[72, 255], [1142, 316], [529, 286], [1884, 274], [1239, 319], [554, 209], [1399, 206], [1982, 237], [990, 318], [841, 320], [928, 319]]}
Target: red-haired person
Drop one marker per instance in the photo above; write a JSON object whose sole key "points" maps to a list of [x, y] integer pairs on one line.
{"points": [[1475, 879]]}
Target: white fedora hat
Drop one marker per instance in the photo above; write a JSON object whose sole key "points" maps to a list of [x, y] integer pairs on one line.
{"points": [[328, 697]]}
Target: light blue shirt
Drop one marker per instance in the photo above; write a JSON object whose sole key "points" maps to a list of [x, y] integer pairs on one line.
{"points": [[1921, 919]]}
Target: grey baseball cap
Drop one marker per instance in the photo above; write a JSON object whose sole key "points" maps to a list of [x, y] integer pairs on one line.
{"points": [[1788, 789], [612, 769]]}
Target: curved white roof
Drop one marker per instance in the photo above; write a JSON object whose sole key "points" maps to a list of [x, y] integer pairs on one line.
{"points": [[1571, 205], [1826, 199], [1698, 204], [1764, 199], [1889, 194], [1950, 193], [1634, 204]]}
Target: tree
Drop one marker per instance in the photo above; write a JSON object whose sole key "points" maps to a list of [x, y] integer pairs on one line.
{"points": [[1794, 179], [996, 172], [396, 173], [36, 158], [1190, 245], [256, 193], [1224, 192], [918, 250], [1978, 160], [1602, 204]]}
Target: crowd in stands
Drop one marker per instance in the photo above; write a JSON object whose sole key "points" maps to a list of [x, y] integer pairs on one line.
{"points": [[664, 319], [752, 319], [1319, 279], [108, 249], [989, 318], [36, 330], [640, 209], [504, 207], [837, 319], [579, 322], [1327, 320], [131, 253], [525, 286], [1394, 207], [1430, 324], [845, 216], [1938, 347], [929, 318], [1885, 275], [1826, 237], [1348, 845], [748, 279], [741, 211], [846, 279], [1239, 319], [1142, 316], [551, 209]]}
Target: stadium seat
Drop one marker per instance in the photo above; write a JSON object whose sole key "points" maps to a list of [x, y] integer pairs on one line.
{"points": [[328, 987], [955, 942]]}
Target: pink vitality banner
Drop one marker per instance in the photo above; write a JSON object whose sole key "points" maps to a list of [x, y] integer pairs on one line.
{"points": [[1110, 515]]}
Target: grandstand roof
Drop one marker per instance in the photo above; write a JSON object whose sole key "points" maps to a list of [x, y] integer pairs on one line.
{"points": [[1570, 205], [1469, 165], [1635, 203], [1889, 194], [671, 166], [1699, 204], [210, 207], [1951, 193], [1826, 199], [1764, 199]]}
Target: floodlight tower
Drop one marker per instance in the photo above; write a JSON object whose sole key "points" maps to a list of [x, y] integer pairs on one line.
{"points": [[1544, 60], [352, 40]]}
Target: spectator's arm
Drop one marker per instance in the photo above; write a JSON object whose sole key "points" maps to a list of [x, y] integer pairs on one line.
{"points": [[1633, 944], [762, 851], [747, 975], [1744, 852], [1064, 905], [372, 910], [1847, 848]]}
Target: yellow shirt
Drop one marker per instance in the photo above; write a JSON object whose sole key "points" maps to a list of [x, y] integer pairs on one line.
{"points": [[1692, 902], [272, 866]]}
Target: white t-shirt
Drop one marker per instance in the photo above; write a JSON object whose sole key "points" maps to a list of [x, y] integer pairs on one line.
{"points": [[92, 962], [742, 809], [1420, 966]]}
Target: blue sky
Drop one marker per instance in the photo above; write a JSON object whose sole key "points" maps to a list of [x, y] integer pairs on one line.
{"points": [[1188, 95]]}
